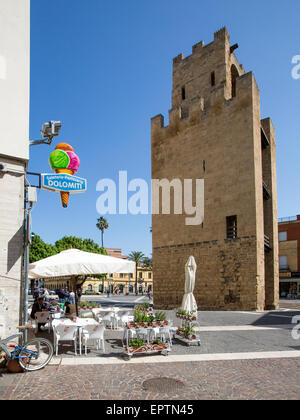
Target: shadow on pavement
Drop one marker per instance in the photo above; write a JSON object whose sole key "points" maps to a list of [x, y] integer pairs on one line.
{"points": [[277, 318]]}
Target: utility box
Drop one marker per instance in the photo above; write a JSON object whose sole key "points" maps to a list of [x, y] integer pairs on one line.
{"points": [[32, 195]]}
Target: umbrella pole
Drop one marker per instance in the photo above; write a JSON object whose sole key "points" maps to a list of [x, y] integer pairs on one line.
{"points": [[75, 291]]}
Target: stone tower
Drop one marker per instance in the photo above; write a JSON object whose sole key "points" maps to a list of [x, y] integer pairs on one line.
{"points": [[215, 133]]}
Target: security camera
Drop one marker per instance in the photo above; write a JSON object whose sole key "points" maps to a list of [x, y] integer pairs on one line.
{"points": [[51, 129]]}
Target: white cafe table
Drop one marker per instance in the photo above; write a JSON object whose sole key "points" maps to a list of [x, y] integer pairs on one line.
{"points": [[80, 323]]}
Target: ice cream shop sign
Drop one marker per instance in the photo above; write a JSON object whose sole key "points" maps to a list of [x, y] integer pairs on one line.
{"points": [[65, 183], [65, 163]]}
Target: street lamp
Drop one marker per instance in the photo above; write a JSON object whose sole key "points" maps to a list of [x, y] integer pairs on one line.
{"points": [[49, 130]]}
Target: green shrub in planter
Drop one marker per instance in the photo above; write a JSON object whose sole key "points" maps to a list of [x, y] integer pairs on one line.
{"points": [[160, 316], [138, 342]]}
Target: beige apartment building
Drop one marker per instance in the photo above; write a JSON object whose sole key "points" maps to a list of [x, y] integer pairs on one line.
{"points": [[14, 155], [216, 133], [124, 283], [289, 257]]}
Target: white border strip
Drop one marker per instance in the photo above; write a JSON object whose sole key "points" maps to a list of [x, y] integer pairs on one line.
{"points": [[77, 361]]}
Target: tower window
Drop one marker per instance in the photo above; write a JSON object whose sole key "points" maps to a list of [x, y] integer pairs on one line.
{"points": [[231, 227], [183, 93], [213, 78], [234, 76]]}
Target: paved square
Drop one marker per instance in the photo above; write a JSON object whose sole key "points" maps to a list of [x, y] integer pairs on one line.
{"points": [[243, 355]]}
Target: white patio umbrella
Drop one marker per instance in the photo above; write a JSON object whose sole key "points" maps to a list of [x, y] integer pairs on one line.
{"points": [[74, 263], [189, 302]]}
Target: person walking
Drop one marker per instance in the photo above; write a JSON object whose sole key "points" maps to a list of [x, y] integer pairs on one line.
{"points": [[36, 293], [72, 298], [79, 294], [61, 296], [67, 294]]}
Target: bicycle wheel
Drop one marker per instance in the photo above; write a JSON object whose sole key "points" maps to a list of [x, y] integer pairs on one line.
{"points": [[35, 354]]}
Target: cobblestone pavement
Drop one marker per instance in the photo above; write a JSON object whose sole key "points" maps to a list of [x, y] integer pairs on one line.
{"points": [[234, 334], [251, 379]]}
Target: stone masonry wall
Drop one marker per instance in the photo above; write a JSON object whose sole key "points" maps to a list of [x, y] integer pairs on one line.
{"points": [[225, 278], [11, 245]]}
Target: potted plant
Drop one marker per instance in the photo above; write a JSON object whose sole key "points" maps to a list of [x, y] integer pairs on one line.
{"points": [[158, 345], [160, 318], [136, 345], [189, 332]]}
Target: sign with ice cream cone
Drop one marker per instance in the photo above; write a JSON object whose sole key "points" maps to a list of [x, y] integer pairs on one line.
{"points": [[65, 163], [63, 183]]}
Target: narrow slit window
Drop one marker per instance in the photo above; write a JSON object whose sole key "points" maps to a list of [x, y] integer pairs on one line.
{"points": [[183, 93], [213, 78], [234, 76], [231, 227]]}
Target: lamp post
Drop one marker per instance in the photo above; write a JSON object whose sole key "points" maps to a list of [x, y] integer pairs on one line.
{"points": [[49, 130], [26, 261]]}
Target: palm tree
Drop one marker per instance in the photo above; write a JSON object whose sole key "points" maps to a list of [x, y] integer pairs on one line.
{"points": [[102, 224], [147, 262], [138, 258]]}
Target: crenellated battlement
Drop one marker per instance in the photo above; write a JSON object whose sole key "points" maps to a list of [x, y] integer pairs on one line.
{"points": [[200, 48], [209, 66], [200, 108]]}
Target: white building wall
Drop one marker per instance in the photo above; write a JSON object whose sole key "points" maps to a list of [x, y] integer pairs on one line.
{"points": [[14, 152], [14, 77]]}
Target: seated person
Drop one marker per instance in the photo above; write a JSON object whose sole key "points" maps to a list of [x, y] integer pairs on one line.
{"points": [[38, 306], [53, 307], [68, 310]]}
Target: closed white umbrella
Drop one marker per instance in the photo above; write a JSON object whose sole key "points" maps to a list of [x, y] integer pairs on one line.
{"points": [[189, 302]]}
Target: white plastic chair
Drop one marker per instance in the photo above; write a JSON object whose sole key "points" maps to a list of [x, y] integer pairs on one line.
{"points": [[121, 317], [96, 312], [42, 318], [143, 333], [93, 333], [165, 334], [108, 317], [65, 333]]}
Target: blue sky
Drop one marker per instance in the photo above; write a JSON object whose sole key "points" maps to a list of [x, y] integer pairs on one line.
{"points": [[104, 68]]}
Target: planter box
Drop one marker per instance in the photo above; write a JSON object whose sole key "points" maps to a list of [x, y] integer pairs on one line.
{"points": [[186, 337], [154, 324], [147, 348], [186, 317]]}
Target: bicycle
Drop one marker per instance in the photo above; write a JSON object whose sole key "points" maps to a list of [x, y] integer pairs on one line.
{"points": [[35, 354]]}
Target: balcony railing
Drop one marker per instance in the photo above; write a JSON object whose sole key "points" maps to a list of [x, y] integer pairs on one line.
{"points": [[267, 194], [284, 268], [231, 232], [267, 243], [288, 219], [264, 139]]}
